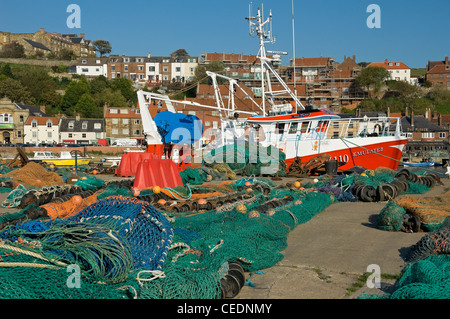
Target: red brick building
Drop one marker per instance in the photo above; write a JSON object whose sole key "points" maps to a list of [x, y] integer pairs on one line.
{"points": [[438, 73]]}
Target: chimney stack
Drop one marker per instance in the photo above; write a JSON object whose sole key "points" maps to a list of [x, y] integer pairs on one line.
{"points": [[354, 58]]}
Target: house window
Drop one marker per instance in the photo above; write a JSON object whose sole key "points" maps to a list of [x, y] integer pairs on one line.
{"points": [[427, 135], [137, 122], [141, 68], [125, 131], [34, 134], [19, 133], [114, 131], [97, 126], [83, 135], [34, 124], [125, 121], [49, 134], [70, 135], [126, 67], [49, 123], [115, 121], [136, 132], [442, 134], [71, 124]]}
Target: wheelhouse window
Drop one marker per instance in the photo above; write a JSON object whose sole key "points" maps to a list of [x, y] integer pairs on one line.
{"points": [[293, 128], [305, 126], [279, 128]]}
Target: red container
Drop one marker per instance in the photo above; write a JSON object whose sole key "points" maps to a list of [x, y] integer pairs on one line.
{"points": [[157, 172], [129, 163]]}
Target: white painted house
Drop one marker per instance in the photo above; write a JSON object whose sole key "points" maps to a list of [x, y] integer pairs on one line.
{"points": [[92, 67], [41, 130], [81, 131], [399, 71]]}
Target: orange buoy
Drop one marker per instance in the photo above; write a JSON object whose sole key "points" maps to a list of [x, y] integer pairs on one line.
{"points": [[253, 214], [156, 189], [297, 184], [241, 208]]}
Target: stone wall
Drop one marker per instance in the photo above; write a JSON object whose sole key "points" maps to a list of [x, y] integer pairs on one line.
{"points": [[48, 63]]}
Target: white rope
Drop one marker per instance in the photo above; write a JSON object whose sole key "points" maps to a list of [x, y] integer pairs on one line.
{"points": [[155, 273]]}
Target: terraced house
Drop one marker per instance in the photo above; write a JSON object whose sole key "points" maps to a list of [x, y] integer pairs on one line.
{"points": [[438, 73], [13, 117], [46, 42]]}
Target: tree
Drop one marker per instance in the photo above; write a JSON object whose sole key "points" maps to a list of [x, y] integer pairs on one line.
{"points": [[74, 92], [102, 46], [214, 66], [180, 53], [110, 98], [406, 92], [41, 86], [126, 88], [6, 71], [98, 84], [14, 91], [66, 54], [372, 76], [12, 50], [87, 108]]}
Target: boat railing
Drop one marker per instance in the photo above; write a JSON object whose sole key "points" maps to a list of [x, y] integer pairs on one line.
{"points": [[363, 127]]}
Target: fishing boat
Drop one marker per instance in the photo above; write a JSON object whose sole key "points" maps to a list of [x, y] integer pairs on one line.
{"points": [[300, 131], [65, 158], [421, 164]]}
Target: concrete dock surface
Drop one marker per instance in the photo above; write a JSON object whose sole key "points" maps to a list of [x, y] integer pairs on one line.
{"points": [[326, 256]]}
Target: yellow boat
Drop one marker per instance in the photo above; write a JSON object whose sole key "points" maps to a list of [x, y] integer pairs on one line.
{"points": [[65, 158]]}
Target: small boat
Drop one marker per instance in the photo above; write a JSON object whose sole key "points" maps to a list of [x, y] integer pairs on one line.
{"points": [[421, 164], [64, 159]]}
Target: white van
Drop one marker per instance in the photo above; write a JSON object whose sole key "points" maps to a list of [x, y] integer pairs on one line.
{"points": [[124, 142]]}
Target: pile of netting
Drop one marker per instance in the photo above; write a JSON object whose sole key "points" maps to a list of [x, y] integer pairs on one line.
{"points": [[108, 241], [123, 247], [411, 214], [427, 274], [249, 159], [382, 184]]}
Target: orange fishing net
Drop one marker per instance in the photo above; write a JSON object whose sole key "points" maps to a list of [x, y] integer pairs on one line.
{"points": [[33, 174], [431, 210], [69, 208]]}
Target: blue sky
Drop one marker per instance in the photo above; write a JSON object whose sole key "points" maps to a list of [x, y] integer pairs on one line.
{"points": [[412, 31]]}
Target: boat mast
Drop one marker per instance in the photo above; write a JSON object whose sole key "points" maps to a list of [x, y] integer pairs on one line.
{"points": [[257, 25]]}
